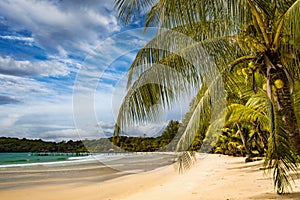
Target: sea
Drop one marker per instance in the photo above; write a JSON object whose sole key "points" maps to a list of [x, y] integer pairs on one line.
{"points": [[9, 160], [32, 159]]}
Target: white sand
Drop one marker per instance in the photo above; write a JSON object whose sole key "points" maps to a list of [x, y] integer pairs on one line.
{"points": [[214, 177]]}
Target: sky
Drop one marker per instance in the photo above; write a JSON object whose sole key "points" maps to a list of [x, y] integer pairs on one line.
{"points": [[63, 66]]}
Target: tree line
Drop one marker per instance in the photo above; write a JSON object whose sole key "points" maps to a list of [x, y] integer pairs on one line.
{"points": [[116, 144], [8, 144], [228, 143]]}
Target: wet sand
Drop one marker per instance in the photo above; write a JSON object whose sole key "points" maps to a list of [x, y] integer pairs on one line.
{"points": [[95, 171]]}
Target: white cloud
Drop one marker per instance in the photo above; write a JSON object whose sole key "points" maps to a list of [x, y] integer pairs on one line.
{"points": [[9, 120], [63, 134], [11, 66], [61, 24], [33, 119], [21, 86], [54, 120], [25, 39], [149, 130]]}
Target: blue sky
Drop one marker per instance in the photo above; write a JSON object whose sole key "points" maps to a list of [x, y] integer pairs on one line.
{"points": [[63, 69]]}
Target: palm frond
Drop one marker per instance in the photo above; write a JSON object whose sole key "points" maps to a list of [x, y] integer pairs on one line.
{"points": [[283, 6], [243, 85], [290, 40], [296, 100], [291, 19], [185, 160], [258, 102], [243, 113], [209, 109], [267, 7], [280, 157], [156, 49], [216, 52], [173, 13], [158, 85], [185, 70], [132, 9], [213, 132]]}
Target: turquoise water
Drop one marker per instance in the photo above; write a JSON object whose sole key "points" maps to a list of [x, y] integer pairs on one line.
{"points": [[23, 158]]}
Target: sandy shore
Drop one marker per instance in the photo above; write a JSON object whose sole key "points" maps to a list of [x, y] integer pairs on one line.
{"points": [[213, 177]]}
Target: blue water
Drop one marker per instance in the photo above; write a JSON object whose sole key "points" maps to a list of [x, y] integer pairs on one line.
{"points": [[24, 158]]}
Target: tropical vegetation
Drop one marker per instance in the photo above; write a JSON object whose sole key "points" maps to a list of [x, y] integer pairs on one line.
{"points": [[26, 145], [242, 58], [111, 144], [149, 144]]}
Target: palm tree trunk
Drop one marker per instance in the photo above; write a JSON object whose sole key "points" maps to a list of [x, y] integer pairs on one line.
{"points": [[244, 140], [262, 137], [260, 148], [281, 100], [283, 104]]}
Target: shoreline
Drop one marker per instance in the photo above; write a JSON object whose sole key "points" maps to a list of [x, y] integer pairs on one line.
{"points": [[213, 177], [77, 171], [91, 158]]}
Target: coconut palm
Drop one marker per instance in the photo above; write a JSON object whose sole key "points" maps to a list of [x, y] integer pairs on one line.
{"points": [[255, 111], [203, 43]]}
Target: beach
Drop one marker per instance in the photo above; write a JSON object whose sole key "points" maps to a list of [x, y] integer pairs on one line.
{"points": [[212, 177]]}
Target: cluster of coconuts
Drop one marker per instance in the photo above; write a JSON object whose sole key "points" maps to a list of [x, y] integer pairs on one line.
{"points": [[248, 70], [278, 84]]}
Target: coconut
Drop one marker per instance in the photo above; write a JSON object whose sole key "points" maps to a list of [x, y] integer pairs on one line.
{"points": [[245, 71], [264, 87], [240, 94], [279, 84], [251, 65]]}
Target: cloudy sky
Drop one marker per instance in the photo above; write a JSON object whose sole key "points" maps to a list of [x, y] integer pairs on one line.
{"points": [[63, 68]]}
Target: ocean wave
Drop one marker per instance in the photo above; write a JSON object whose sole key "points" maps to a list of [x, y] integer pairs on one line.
{"points": [[64, 161]]}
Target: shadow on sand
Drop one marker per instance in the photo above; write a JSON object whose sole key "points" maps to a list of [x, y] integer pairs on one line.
{"points": [[266, 196]]}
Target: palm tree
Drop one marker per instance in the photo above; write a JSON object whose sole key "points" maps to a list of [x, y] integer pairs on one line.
{"points": [[255, 111], [203, 43]]}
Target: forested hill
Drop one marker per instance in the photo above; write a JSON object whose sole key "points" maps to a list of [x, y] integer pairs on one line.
{"points": [[28, 145], [120, 143]]}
